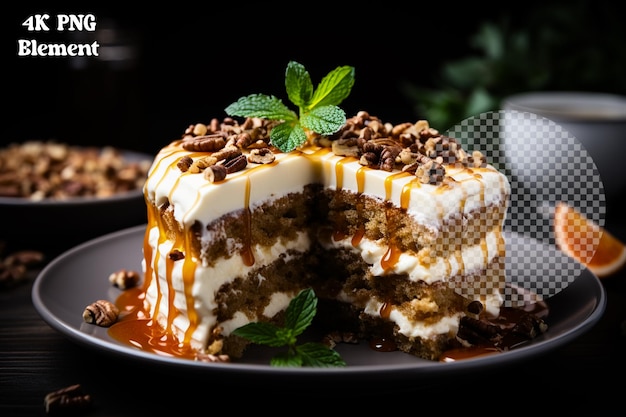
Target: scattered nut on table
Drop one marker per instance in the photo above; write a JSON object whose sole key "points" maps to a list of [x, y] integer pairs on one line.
{"points": [[101, 313], [71, 400], [15, 266]]}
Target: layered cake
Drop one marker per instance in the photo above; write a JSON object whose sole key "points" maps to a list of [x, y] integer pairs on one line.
{"points": [[397, 228]]}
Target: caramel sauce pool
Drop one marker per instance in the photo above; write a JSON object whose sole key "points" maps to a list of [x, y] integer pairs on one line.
{"points": [[135, 327]]}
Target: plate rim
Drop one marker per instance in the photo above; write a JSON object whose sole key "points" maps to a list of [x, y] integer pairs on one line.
{"points": [[421, 369]]}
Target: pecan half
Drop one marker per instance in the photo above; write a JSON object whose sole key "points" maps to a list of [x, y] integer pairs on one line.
{"points": [[101, 313], [236, 164], [206, 143]]}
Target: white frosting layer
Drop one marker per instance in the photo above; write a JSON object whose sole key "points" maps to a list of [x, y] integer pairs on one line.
{"points": [[192, 195]]}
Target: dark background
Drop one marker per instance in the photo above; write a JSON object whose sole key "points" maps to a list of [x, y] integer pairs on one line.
{"points": [[184, 65]]}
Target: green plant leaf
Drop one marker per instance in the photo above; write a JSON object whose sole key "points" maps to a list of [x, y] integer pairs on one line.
{"points": [[298, 84], [301, 310], [261, 333], [287, 136], [318, 111], [287, 360], [324, 120], [334, 88], [319, 355], [299, 315], [261, 105]]}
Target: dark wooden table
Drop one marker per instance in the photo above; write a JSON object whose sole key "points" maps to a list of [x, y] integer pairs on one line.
{"points": [[587, 374]]}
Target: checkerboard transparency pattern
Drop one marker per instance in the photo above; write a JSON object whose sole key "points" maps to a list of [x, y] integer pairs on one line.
{"points": [[545, 164]]}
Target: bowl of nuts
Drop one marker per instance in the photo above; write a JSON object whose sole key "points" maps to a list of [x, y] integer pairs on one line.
{"points": [[54, 195]]}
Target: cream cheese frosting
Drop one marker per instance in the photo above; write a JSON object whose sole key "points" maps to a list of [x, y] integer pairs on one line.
{"points": [[430, 205]]}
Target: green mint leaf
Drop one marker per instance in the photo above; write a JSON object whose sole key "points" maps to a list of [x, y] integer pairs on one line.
{"points": [[298, 84], [298, 316], [287, 359], [319, 355], [287, 136], [261, 105], [301, 310], [318, 111], [287, 336], [333, 88], [324, 120], [261, 333]]}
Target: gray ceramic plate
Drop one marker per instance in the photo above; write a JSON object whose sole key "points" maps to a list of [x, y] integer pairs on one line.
{"points": [[80, 276]]}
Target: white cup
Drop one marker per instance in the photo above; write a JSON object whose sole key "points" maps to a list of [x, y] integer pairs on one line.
{"points": [[596, 120]]}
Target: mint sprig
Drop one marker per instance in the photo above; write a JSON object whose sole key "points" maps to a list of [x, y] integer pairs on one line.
{"points": [[298, 316], [318, 107]]}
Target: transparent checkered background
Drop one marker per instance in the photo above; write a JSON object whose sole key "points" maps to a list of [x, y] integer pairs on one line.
{"points": [[545, 164]]}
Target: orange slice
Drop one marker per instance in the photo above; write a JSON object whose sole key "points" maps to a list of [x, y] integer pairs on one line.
{"points": [[587, 242]]}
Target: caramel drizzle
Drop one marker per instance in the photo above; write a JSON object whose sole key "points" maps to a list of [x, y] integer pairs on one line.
{"points": [[246, 252], [389, 184], [405, 195], [458, 254], [360, 181], [172, 311], [391, 257], [385, 310], [189, 273], [339, 174]]}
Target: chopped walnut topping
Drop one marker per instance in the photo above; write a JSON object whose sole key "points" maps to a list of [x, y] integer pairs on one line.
{"points": [[416, 147], [261, 156], [201, 164], [199, 129], [227, 153], [176, 255], [184, 163]]}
